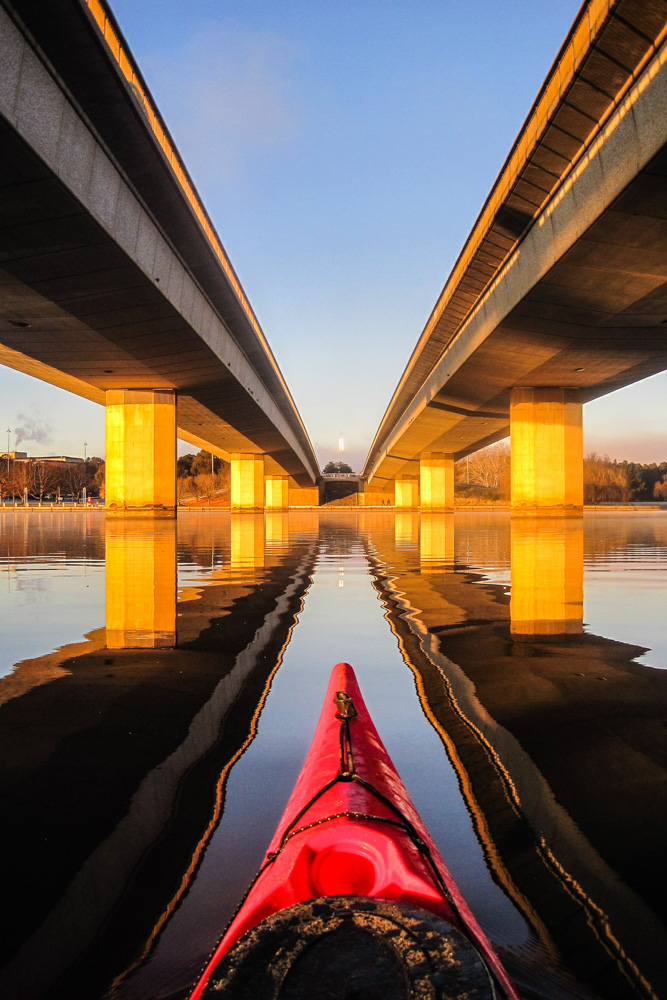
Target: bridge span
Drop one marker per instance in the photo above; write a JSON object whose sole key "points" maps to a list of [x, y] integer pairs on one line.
{"points": [[560, 292], [113, 281]]}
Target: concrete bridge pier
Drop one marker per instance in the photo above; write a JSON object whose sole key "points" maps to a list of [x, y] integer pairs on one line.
{"points": [[277, 492], [436, 481], [547, 452], [247, 482], [406, 492], [141, 452]]}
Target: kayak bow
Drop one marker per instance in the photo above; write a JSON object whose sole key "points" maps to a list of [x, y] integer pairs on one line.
{"points": [[350, 830]]}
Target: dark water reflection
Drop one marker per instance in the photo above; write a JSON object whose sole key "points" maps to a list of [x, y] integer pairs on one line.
{"points": [[514, 670]]}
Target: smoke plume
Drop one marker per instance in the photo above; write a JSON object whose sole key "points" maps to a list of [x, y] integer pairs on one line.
{"points": [[31, 430]]}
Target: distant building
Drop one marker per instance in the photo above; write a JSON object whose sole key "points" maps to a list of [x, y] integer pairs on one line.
{"points": [[22, 456]]}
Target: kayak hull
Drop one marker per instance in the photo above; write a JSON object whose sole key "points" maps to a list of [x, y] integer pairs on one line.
{"points": [[350, 830]]}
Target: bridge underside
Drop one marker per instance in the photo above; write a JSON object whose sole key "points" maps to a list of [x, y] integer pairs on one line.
{"points": [[112, 278], [77, 312], [595, 322]]}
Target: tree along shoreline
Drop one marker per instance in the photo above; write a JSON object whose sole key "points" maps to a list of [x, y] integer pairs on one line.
{"points": [[487, 473], [50, 481]]}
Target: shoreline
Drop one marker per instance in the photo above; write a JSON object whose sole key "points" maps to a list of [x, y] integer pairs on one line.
{"points": [[644, 506]]}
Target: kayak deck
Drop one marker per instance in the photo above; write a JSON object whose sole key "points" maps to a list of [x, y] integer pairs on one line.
{"points": [[350, 830], [351, 948]]}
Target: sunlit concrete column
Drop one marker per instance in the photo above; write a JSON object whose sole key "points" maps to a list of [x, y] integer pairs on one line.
{"points": [[140, 583], [436, 481], [406, 491], [547, 451], [141, 451], [547, 593], [309, 496], [436, 542], [247, 541], [247, 482], [277, 492]]}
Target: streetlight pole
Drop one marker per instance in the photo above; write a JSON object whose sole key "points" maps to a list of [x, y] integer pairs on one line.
{"points": [[8, 433], [85, 460]]}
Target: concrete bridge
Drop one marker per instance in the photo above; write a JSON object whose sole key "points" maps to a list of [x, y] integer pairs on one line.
{"points": [[559, 295], [113, 282]]}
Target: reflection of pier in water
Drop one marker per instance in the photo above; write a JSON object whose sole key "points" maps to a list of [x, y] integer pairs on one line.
{"points": [[547, 561], [515, 688], [141, 572], [547, 593], [140, 583], [118, 818]]}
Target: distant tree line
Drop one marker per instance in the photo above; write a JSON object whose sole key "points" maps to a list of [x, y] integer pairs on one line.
{"points": [[607, 480], [50, 479], [44, 480], [488, 472], [198, 478]]}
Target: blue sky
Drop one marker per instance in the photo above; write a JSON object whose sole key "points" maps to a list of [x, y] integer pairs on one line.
{"points": [[343, 150]]}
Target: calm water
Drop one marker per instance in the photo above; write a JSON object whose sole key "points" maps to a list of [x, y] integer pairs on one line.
{"points": [[159, 688]]}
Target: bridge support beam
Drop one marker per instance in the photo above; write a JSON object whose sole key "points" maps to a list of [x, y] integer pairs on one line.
{"points": [[247, 482], [277, 492], [547, 452], [436, 481], [406, 492], [141, 451]]}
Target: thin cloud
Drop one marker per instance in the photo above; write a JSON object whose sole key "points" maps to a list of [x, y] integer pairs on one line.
{"points": [[226, 98]]}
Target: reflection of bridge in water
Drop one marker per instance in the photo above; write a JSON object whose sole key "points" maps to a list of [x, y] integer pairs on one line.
{"points": [[547, 566], [547, 570], [131, 747], [141, 591], [553, 732]]}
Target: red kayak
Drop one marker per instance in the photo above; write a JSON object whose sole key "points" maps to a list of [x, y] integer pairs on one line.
{"points": [[352, 898]]}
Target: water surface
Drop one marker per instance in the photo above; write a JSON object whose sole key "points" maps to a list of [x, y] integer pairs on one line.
{"points": [[157, 706]]}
